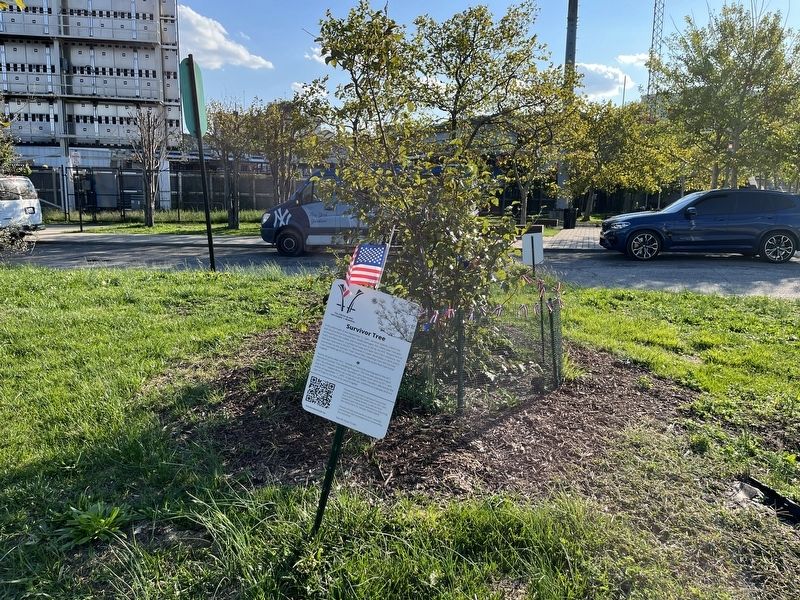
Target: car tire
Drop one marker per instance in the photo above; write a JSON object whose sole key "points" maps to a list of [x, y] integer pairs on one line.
{"points": [[643, 245], [289, 243], [778, 247]]}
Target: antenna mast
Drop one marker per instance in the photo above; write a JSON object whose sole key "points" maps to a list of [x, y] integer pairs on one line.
{"points": [[655, 51]]}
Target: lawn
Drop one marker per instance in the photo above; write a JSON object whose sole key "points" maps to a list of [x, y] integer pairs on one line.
{"points": [[166, 222], [742, 353], [114, 407]]}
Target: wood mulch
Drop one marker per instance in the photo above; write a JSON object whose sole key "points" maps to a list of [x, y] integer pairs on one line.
{"points": [[266, 436]]}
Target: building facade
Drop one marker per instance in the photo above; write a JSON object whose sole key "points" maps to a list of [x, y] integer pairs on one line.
{"points": [[73, 73]]}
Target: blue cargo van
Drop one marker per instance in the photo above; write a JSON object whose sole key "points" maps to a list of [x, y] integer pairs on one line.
{"points": [[306, 221]]}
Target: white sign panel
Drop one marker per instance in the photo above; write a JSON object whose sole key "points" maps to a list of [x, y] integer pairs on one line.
{"points": [[532, 248], [360, 358]]}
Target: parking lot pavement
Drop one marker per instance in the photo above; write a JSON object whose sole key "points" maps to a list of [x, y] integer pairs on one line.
{"points": [[725, 274]]}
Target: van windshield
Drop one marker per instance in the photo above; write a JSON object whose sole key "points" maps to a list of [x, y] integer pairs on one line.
{"points": [[16, 188]]}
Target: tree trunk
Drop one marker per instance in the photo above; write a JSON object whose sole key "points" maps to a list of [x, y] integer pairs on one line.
{"points": [[523, 205], [226, 184], [233, 211], [589, 206], [149, 201], [715, 176]]}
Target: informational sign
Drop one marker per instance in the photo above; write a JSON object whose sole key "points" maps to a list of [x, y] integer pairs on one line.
{"points": [[361, 354], [533, 248]]}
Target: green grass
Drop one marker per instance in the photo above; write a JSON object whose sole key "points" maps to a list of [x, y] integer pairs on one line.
{"points": [[166, 222], [104, 495], [410, 549], [743, 354], [77, 420]]}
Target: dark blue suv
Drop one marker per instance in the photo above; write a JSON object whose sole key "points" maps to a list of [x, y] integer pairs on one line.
{"points": [[743, 221]]}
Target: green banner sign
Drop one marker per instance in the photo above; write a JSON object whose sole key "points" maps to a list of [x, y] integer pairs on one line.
{"points": [[191, 89]]}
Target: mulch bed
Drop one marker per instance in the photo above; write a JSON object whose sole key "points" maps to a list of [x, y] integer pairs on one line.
{"points": [[268, 437]]}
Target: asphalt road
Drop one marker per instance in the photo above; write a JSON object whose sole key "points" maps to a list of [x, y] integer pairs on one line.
{"points": [[723, 274], [134, 251], [726, 274]]}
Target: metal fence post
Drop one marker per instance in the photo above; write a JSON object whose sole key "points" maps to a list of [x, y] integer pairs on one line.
{"points": [[460, 359], [556, 374], [180, 193]]}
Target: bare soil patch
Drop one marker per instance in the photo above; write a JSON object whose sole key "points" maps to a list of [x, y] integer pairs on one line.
{"points": [[267, 436]]}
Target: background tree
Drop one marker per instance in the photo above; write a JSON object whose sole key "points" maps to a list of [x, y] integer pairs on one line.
{"points": [[231, 136], [9, 159], [612, 147], [731, 85], [149, 145], [471, 67], [530, 138], [288, 133]]}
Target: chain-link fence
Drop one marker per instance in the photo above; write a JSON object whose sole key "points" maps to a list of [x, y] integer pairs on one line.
{"points": [[513, 347], [110, 194]]}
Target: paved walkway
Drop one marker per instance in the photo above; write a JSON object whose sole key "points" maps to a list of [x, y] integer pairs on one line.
{"points": [[60, 234], [580, 239]]}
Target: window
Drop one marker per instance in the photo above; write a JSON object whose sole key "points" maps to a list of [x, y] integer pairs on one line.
{"points": [[718, 204], [755, 203]]}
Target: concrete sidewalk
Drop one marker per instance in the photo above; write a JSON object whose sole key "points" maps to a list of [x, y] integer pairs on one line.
{"points": [[70, 234], [580, 239]]}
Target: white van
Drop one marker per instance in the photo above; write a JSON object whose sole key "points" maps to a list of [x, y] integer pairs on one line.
{"points": [[305, 221], [19, 204]]}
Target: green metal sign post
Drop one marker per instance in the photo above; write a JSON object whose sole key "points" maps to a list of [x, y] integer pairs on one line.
{"points": [[194, 114]]}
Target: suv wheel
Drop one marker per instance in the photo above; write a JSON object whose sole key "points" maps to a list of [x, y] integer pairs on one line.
{"points": [[644, 245], [289, 243], [778, 247]]}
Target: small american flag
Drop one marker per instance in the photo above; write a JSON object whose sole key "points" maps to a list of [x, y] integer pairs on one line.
{"points": [[366, 266]]}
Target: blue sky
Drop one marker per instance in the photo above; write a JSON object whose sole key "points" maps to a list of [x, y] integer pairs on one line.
{"points": [[252, 48]]}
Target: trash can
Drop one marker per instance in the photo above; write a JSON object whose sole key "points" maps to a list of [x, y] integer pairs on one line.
{"points": [[570, 218]]}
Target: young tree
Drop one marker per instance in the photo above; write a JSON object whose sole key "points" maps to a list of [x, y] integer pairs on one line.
{"points": [[231, 135], [400, 178], [9, 159], [731, 83], [149, 144]]}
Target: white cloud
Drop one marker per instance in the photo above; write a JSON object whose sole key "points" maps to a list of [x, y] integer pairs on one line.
{"points": [[316, 55], [211, 45], [637, 60], [298, 87], [602, 81], [244, 36]]}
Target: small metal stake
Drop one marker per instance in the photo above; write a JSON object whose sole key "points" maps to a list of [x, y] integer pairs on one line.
{"points": [[336, 449], [541, 329], [556, 374]]}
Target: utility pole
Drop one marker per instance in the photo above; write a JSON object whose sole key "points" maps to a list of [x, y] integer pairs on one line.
{"points": [[572, 34], [563, 200]]}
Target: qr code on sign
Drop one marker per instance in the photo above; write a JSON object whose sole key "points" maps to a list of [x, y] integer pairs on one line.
{"points": [[320, 392]]}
